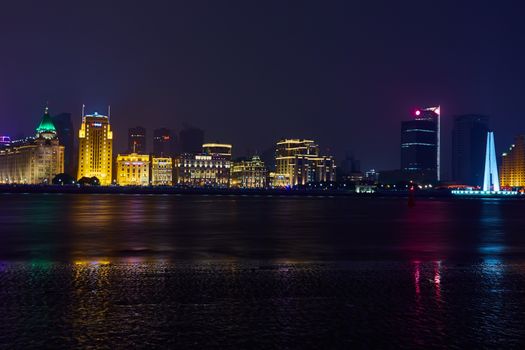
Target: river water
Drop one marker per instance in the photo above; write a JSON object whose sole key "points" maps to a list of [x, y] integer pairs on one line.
{"points": [[195, 271]]}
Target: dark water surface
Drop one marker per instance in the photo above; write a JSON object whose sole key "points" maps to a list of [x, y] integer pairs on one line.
{"points": [[167, 271]]}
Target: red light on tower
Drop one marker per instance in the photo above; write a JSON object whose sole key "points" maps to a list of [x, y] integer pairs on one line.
{"points": [[418, 112]]}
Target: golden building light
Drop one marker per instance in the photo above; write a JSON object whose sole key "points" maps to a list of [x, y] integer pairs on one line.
{"points": [[198, 170], [512, 173], [298, 162], [33, 160], [222, 149], [249, 173], [161, 171], [133, 169], [95, 149]]}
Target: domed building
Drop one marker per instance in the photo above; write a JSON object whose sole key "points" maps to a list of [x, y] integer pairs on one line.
{"points": [[33, 160]]}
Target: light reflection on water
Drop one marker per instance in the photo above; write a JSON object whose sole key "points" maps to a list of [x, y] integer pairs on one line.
{"points": [[72, 227], [176, 271]]}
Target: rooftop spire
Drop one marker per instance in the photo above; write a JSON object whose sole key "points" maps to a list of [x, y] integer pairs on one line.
{"points": [[46, 127]]}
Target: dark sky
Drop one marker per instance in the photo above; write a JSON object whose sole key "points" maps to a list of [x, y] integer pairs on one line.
{"points": [[251, 72]]}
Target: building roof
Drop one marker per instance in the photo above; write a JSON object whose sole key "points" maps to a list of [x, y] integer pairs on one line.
{"points": [[46, 124]]}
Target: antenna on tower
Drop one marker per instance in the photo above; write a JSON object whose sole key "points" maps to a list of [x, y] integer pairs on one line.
{"points": [[83, 108], [109, 111]]}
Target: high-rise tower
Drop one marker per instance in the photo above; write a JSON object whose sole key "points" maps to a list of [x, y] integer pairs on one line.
{"points": [[163, 142], [491, 179], [468, 148], [420, 145], [137, 140], [95, 149]]}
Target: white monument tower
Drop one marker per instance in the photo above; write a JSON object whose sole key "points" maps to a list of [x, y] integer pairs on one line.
{"points": [[491, 179]]}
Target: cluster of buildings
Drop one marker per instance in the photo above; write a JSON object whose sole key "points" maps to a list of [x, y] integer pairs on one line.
{"points": [[189, 162], [421, 152], [186, 160]]}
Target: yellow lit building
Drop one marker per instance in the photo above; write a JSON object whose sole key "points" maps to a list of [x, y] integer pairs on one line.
{"points": [[299, 161], [512, 172], [278, 180], [95, 149], [133, 169], [222, 149], [34, 160], [161, 171], [249, 173], [197, 170]]}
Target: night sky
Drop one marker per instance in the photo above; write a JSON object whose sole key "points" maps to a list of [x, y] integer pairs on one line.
{"points": [[251, 72]]}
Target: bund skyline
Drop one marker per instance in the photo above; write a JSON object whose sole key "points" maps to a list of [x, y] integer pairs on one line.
{"points": [[344, 75]]}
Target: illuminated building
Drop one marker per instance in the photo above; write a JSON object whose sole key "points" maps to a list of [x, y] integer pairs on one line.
{"points": [[191, 140], [133, 169], [298, 162], [420, 146], [202, 170], [137, 140], [513, 164], [491, 183], [161, 171], [163, 143], [33, 160], [5, 141], [491, 179], [66, 137], [249, 173], [95, 149], [468, 149], [221, 149]]}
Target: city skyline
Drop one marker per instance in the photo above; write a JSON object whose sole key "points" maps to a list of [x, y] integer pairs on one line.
{"points": [[359, 67]]}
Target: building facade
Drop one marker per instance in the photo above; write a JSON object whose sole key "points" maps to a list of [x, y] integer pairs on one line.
{"points": [[163, 143], [133, 169], [202, 170], [469, 138], [221, 149], [419, 146], [95, 149], [299, 161], [34, 160], [249, 173], [512, 172], [161, 171], [137, 140]]}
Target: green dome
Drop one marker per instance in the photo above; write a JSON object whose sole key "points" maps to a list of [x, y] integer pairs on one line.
{"points": [[46, 124]]}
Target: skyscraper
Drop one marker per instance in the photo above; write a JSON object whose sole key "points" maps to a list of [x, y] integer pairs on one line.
{"points": [[95, 149], [137, 140], [513, 164], [163, 142], [191, 140], [469, 138], [420, 145], [66, 137]]}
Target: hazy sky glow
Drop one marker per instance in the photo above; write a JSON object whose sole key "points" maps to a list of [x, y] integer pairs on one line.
{"points": [[250, 72]]}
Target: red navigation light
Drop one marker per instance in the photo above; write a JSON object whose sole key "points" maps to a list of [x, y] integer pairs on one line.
{"points": [[418, 112]]}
